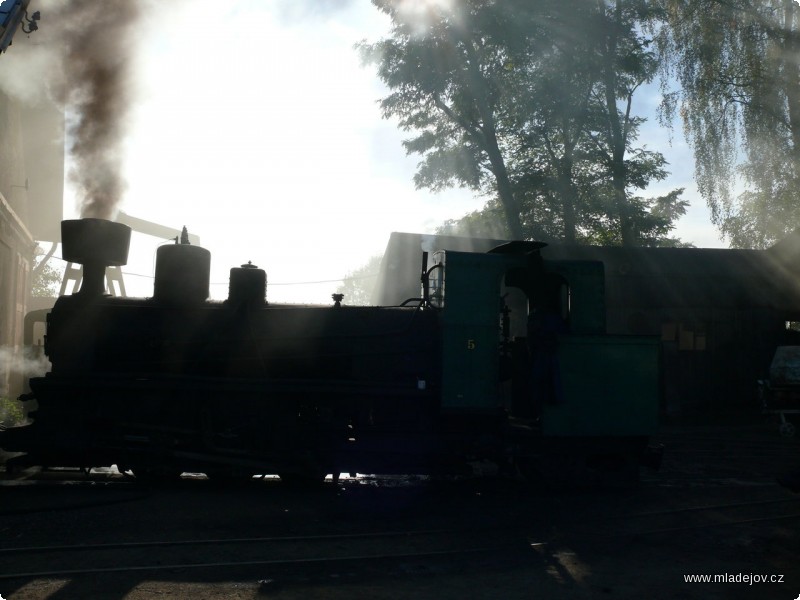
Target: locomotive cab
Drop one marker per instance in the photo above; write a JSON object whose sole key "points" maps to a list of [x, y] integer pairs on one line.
{"points": [[547, 361]]}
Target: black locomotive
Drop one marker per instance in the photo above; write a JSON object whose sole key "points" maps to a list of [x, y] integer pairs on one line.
{"points": [[177, 383]]}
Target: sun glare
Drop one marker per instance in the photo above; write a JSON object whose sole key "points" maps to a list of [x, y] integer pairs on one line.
{"points": [[424, 11]]}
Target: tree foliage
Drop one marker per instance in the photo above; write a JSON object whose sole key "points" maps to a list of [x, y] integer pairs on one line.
{"points": [[45, 279], [530, 104], [739, 97], [359, 284]]}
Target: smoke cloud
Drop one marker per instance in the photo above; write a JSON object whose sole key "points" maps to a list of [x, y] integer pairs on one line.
{"points": [[97, 38], [82, 58]]}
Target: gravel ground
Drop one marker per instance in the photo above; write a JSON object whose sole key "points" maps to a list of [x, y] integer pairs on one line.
{"points": [[713, 509]]}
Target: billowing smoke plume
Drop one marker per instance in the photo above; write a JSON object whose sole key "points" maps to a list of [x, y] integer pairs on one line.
{"points": [[82, 57], [97, 37]]}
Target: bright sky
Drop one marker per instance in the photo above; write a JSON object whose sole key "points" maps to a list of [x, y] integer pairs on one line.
{"points": [[258, 129]]}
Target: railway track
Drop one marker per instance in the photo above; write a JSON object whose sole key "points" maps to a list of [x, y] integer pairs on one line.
{"points": [[718, 485], [274, 551], [359, 549], [692, 518]]}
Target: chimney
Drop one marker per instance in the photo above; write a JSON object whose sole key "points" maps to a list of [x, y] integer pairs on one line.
{"points": [[95, 244]]}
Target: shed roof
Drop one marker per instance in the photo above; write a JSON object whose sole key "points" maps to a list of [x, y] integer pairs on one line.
{"points": [[635, 277]]}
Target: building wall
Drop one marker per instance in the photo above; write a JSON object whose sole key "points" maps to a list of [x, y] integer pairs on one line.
{"points": [[16, 259], [12, 158], [25, 172]]}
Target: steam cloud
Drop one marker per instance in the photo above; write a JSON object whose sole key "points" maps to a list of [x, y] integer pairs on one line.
{"points": [[83, 52], [25, 362]]}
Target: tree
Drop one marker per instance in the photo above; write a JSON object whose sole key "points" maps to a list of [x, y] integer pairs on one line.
{"points": [[447, 71], [359, 284], [529, 104], [597, 167], [739, 99], [44, 278], [654, 219], [484, 223], [626, 62]]}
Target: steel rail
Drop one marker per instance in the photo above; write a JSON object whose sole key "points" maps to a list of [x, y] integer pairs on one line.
{"points": [[696, 526], [723, 523], [224, 541], [373, 534], [251, 563], [707, 507]]}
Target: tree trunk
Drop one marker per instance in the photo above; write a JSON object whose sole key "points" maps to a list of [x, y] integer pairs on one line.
{"points": [[511, 207], [504, 189], [617, 135], [566, 189]]}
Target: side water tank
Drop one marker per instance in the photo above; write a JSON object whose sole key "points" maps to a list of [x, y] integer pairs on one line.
{"points": [[183, 274], [248, 285]]}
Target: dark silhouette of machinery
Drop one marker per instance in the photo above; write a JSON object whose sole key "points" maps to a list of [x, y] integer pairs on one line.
{"points": [[178, 383]]}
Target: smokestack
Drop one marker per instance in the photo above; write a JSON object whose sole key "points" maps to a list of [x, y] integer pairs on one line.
{"points": [[95, 244]]}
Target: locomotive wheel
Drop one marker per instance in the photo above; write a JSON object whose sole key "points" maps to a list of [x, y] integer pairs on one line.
{"points": [[305, 480], [569, 472], [787, 429], [157, 475], [228, 477]]}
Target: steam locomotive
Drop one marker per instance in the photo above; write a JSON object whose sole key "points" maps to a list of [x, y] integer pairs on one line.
{"points": [[502, 357]]}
